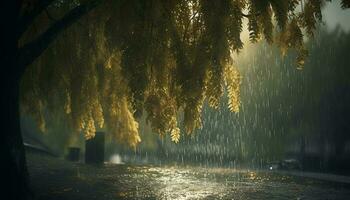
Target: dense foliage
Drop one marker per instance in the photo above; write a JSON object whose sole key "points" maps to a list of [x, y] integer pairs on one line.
{"points": [[162, 58], [281, 108]]}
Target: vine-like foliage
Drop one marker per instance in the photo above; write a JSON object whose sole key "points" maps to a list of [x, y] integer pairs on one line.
{"points": [[159, 58]]}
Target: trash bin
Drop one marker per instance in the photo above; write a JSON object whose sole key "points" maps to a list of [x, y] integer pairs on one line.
{"points": [[73, 154], [95, 149]]}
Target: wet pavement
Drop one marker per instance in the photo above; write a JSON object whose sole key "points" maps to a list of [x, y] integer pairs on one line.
{"points": [[54, 178]]}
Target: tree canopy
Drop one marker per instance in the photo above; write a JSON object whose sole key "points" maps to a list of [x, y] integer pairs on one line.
{"points": [[161, 58], [280, 107]]}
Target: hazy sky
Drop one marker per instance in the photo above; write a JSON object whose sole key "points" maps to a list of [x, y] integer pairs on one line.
{"points": [[333, 14]]}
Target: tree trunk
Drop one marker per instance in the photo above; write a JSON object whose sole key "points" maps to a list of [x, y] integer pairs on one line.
{"points": [[13, 165], [14, 174]]}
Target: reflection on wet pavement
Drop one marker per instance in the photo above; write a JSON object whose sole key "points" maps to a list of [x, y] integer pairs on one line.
{"points": [[61, 180]]}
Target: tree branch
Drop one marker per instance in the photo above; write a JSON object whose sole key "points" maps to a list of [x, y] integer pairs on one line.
{"points": [[250, 15], [50, 16], [27, 19], [30, 51]]}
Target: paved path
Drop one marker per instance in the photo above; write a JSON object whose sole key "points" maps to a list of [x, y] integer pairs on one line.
{"points": [[318, 176]]}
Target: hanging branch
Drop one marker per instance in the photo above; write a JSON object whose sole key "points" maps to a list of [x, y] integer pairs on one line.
{"points": [[30, 51], [27, 19]]}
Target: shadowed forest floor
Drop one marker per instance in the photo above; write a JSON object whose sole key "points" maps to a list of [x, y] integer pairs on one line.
{"points": [[54, 178]]}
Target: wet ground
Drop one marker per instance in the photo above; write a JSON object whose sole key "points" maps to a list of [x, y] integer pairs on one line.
{"points": [[54, 178]]}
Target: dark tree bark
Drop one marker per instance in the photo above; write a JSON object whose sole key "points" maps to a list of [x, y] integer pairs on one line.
{"points": [[14, 174], [13, 166]]}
